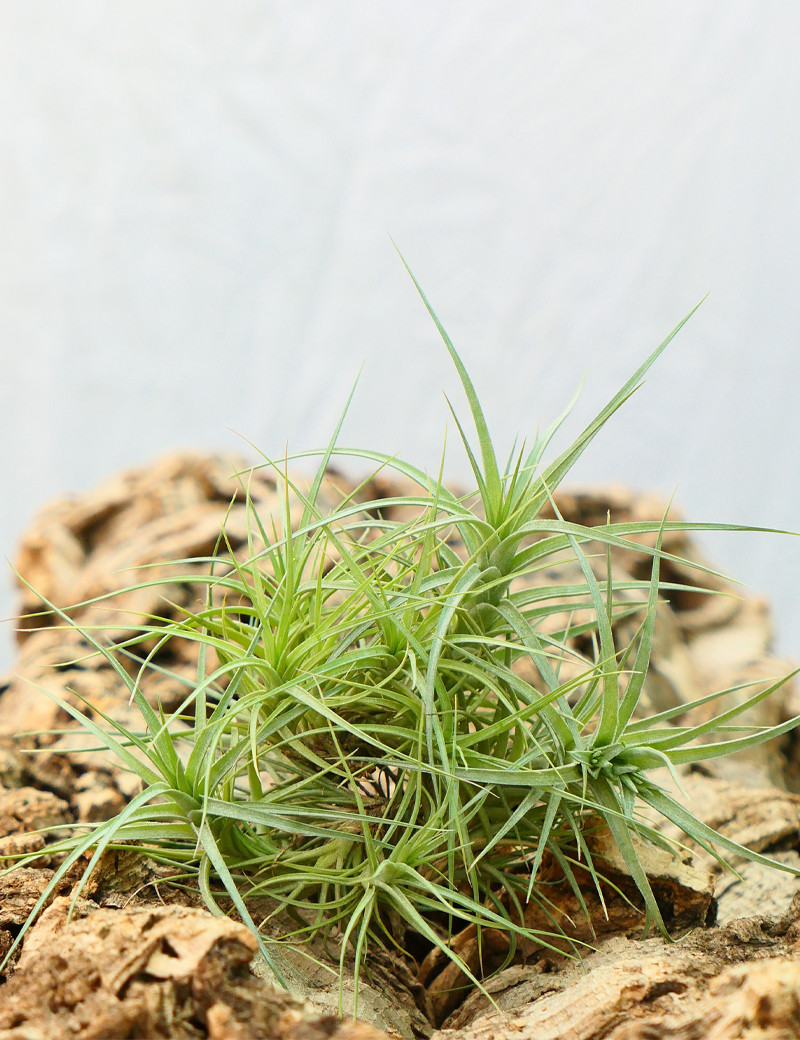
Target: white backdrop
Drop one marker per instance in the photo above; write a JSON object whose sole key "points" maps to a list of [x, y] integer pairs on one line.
{"points": [[196, 199]]}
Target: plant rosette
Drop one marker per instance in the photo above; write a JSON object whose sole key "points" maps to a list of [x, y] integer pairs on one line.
{"points": [[391, 727]]}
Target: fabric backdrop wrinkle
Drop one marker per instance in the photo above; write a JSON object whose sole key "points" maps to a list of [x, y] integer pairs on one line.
{"points": [[196, 202]]}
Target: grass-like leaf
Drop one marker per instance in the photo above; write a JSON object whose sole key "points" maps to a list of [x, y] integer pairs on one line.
{"points": [[390, 720]]}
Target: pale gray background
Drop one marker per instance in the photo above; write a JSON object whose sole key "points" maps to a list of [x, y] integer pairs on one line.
{"points": [[196, 198]]}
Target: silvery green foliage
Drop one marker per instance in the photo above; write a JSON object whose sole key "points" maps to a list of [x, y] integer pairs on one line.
{"points": [[365, 748]]}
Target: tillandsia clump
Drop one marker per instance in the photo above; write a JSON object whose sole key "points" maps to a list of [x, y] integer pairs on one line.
{"points": [[390, 721]]}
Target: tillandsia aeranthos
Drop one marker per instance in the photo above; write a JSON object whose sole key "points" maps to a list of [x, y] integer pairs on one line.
{"points": [[389, 719]]}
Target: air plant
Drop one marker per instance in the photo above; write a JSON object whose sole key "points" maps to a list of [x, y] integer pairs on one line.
{"points": [[361, 743]]}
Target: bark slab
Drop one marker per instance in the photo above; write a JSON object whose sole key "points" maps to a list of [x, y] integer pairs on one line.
{"points": [[128, 965]]}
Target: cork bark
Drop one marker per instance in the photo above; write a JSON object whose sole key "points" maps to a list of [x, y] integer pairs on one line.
{"points": [[135, 957]]}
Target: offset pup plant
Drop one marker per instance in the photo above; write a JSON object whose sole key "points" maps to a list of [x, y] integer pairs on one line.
{"points": [[390, 720]]}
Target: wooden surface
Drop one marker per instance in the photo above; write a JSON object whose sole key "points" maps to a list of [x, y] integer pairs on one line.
{"points": [[137, 959]]}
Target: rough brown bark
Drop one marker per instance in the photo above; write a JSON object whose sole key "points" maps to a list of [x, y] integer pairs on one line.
{"points": [[132, 962], [167, 971]]}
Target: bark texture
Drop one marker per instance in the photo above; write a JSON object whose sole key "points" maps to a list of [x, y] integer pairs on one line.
{"points": [[140, 959]]}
